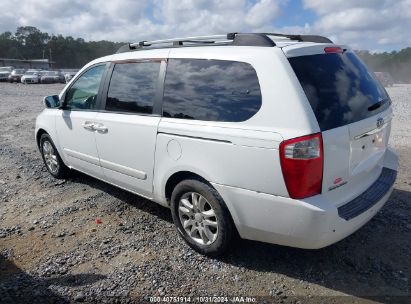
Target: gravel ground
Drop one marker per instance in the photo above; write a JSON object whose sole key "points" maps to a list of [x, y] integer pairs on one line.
{"points": [[53, 251]]}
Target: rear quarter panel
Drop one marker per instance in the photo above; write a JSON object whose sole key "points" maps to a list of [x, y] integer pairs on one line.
{"points": [[242, 154], [222, 156]]}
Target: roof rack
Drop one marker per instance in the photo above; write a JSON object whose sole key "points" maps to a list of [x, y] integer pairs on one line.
{"points": [[237, 39], [180, 41]]}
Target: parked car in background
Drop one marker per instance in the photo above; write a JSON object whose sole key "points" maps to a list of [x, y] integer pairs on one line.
{"points": [[5, 73], [16, 75], [62, 77], [385, 78], [31, 76], [52, 77], [69, 75], [41, 74]]}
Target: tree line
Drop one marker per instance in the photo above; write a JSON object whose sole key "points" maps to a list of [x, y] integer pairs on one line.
{"points": [[28, 42], [397, 63]]}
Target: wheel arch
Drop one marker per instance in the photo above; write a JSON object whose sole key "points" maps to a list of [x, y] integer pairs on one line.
{"points": [[39, 133], [178, 177]]}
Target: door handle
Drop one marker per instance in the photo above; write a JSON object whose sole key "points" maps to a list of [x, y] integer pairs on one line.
{"points": [[88, 125], [100, 128]]}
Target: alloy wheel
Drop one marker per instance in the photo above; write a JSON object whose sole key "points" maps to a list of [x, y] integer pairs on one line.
{"points": [[50, 157], [198, 218]]}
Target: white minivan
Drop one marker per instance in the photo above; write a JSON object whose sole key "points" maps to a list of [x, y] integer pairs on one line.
{"points": [[276, 138]]}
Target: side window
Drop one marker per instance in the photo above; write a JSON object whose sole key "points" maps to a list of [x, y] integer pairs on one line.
{"points": [[82, 95], [133, 87], [213, 90]]}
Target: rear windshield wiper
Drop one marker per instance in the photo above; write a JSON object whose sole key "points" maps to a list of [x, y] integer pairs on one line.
{"points": [[376, 105]]}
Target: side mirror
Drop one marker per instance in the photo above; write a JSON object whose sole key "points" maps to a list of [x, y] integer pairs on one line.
{"points": [[51, 101]]}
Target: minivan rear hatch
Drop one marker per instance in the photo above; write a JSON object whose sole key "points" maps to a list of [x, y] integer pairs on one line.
{"points": [[354, 115]]}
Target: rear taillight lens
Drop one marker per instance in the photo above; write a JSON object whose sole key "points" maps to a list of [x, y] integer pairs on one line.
{"points": [[302, 165]]}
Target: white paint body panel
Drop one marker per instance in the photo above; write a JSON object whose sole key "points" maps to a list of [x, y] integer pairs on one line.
{"points": [[241, 160], [226, 163], [127, 150], [357, 162], [76, 143]]}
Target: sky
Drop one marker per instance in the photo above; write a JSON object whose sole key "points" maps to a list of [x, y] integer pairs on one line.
{"points": [[376, 25]]}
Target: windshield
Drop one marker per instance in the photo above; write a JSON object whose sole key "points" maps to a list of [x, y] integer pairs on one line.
{"points": [[5, 69], [339, 88], [30, 73]]}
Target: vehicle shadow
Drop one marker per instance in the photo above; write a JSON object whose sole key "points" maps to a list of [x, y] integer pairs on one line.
{"points": [[16, 286], [129, 198], [374, 263]]}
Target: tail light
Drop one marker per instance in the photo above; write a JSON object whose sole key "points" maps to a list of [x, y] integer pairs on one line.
{"points": [[302, 165]]}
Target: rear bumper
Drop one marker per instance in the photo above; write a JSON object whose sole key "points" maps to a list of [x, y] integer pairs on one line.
{"points": [[370, 197], [29, 80], [311, 223], [15, 78]]}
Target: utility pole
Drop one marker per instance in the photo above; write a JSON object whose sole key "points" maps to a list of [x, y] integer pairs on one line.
{"points": [[51, 66]]}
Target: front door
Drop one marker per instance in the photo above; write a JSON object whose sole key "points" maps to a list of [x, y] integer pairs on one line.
{"points": [[74, 123]]}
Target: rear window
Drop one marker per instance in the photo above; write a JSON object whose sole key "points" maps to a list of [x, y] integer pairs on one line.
{"points": [[212, 90], [339, 88]]}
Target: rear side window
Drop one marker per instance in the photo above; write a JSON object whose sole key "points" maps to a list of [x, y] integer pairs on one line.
{"points": [[212, 90], [133, 87], [339, 88]]}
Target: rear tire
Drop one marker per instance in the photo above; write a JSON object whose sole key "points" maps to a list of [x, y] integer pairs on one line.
{"points": [[201, 217], [51, 158]]}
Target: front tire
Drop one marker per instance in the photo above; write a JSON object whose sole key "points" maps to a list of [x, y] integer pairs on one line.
{"points": [[51, 157], [201, 217]]}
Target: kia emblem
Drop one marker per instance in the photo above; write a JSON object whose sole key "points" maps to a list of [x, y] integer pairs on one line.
{"points": [[380, 122]]}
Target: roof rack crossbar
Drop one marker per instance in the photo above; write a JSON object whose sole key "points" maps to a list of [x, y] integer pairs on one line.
{"points": [[198, 39]]}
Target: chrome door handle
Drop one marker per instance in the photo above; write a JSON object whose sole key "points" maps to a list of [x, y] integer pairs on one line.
{"points": [[100, 128], [88, 125]]}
